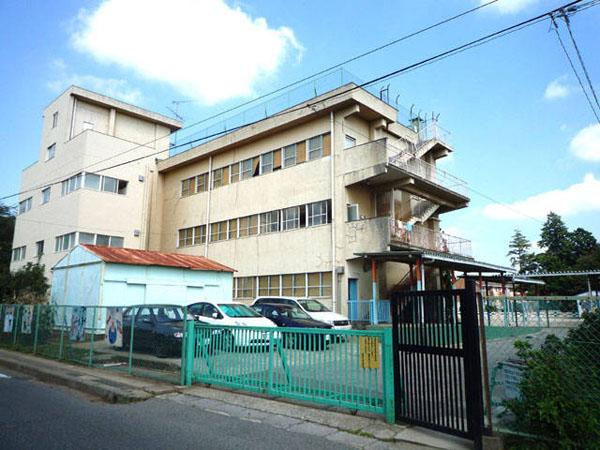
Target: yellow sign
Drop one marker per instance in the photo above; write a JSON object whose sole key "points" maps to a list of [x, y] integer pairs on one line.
{"points": [[369, 352]]}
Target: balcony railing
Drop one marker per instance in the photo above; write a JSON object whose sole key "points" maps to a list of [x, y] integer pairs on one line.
{"points": [[422, 237], [406, 161]]}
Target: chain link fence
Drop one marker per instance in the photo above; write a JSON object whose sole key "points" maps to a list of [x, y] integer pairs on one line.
{"points": [[543, 357]]}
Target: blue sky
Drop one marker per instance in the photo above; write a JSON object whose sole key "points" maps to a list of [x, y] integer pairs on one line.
{"points": [[522, 130]]}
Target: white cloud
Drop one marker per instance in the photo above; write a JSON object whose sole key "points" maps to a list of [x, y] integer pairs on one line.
{"points": [[510, 6], [205, 49], [575, 199], [113, 87], [557, 89], [586, 143]]}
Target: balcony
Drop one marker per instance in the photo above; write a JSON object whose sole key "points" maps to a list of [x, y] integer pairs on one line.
{"points": [[380, 233], [424, 238], [384, 166]]}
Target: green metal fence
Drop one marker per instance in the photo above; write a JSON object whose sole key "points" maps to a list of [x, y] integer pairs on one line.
{"points": [[79, 334], [344, 368]]}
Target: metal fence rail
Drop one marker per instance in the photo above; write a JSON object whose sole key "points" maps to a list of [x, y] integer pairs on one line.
{"points": [[345, 368], [364, 311]]}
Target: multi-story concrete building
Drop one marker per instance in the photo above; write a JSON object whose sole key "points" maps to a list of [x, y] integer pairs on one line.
{"points": [[332, 198], [92, 180], [295, 201]]}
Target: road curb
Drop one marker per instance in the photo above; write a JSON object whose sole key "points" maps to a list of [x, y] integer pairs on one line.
{"points": [[89, 384]]}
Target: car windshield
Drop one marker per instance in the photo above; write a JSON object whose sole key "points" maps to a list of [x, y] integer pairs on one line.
{"points": [[237, 310], [312, 305], [166, 314], [293, 312]]}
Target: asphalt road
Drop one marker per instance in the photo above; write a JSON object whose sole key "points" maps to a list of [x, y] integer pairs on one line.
{"points": [[34, 415]]}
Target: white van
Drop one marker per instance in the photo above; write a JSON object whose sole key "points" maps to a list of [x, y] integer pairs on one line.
{"points": [[313, 307]]}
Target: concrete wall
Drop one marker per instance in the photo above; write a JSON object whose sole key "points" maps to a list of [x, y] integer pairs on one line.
{"points": [[115, 139]]}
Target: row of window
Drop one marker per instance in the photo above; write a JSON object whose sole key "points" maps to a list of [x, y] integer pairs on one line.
{"points": [[315, 284], [94, 182], [309, 215], [290, 155], [67, 241]]}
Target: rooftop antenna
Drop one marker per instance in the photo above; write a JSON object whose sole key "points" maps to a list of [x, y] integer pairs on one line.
{"points": [[384, 91]]}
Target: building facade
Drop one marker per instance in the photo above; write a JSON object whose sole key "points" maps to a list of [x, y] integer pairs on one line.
{"points": [[292, 201], [83, 187]]}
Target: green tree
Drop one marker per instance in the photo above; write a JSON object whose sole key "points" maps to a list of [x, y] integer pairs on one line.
{"points": [[519, 253], [555, 237], [29, 285], [582, 243], [7, 227]]}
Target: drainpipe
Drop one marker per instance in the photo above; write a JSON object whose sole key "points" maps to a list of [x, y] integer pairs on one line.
{"points": [[374, 319], [333, 221], [208, 206]]}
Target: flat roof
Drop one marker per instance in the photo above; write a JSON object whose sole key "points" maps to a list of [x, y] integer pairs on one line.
{"points": [[95, 97], [438, 259], [152, 258]]}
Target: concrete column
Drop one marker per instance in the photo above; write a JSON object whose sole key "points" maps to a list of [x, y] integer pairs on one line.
{"points": [[374, 319], [111, 121]]}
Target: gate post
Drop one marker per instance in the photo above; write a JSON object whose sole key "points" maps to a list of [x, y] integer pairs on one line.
{"points": [[472, 364], [389, 379], [189, 349], [398, 398]]}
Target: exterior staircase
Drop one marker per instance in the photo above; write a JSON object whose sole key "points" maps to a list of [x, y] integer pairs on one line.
{"points": [[423, 211]]}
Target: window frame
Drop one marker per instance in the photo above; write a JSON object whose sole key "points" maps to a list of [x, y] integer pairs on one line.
{"points": [[51, 151], [55, 119], [349, 139], [267, 167], [269, 222], [314, 153], [285, 220], [311, 215]]}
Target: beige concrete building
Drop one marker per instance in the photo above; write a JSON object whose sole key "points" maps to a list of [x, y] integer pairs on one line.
{"points": [[293, 202], [83, 187]]}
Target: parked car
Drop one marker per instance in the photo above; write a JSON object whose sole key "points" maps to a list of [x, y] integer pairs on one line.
{"points": [[292, 316], [231, 315], [157, 329], [312, 307]]}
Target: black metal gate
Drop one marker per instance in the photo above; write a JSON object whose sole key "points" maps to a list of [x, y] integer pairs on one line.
{"points": [[437, 363]]}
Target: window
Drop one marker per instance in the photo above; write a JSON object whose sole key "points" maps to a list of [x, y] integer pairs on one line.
{"points": [[248, 226], [319, 284], [87, 238], [291, 218], [268, 285], [234, 173], [245, 287], [352, 212], [315, 147], [92, 181], [217, 178], [188, 186], [266, 163], [299, 285], [269, 222], [121, 187], [289, 155], [18, 254], [246, 168], [287, 282], [39, 248], [186, 237], [71, 184], [317, 213], [202, 183], [199, 235], [25, 205], [55, 119], [218, 231], [64, 242], [45, 195], [349, 141], [50, 152], [109, 184], [233, 229], [117, 242], [88, 125], [103, 240]]}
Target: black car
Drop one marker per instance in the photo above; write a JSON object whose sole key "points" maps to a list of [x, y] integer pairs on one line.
{"points": [[293, 317], [156, 329]]}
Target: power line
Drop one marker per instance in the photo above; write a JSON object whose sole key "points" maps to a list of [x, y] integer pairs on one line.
{"points": [[271, 93], [587, 75], [564, 48], [393, 74]]}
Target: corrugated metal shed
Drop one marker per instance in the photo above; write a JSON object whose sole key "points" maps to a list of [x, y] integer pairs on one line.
{"points": [[152, 258]]}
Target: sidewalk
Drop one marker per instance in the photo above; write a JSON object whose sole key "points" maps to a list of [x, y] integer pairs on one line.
{"points": [[352, 430]]}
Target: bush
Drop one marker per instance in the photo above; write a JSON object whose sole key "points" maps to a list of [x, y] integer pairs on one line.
{"points": [[560, 389]]}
